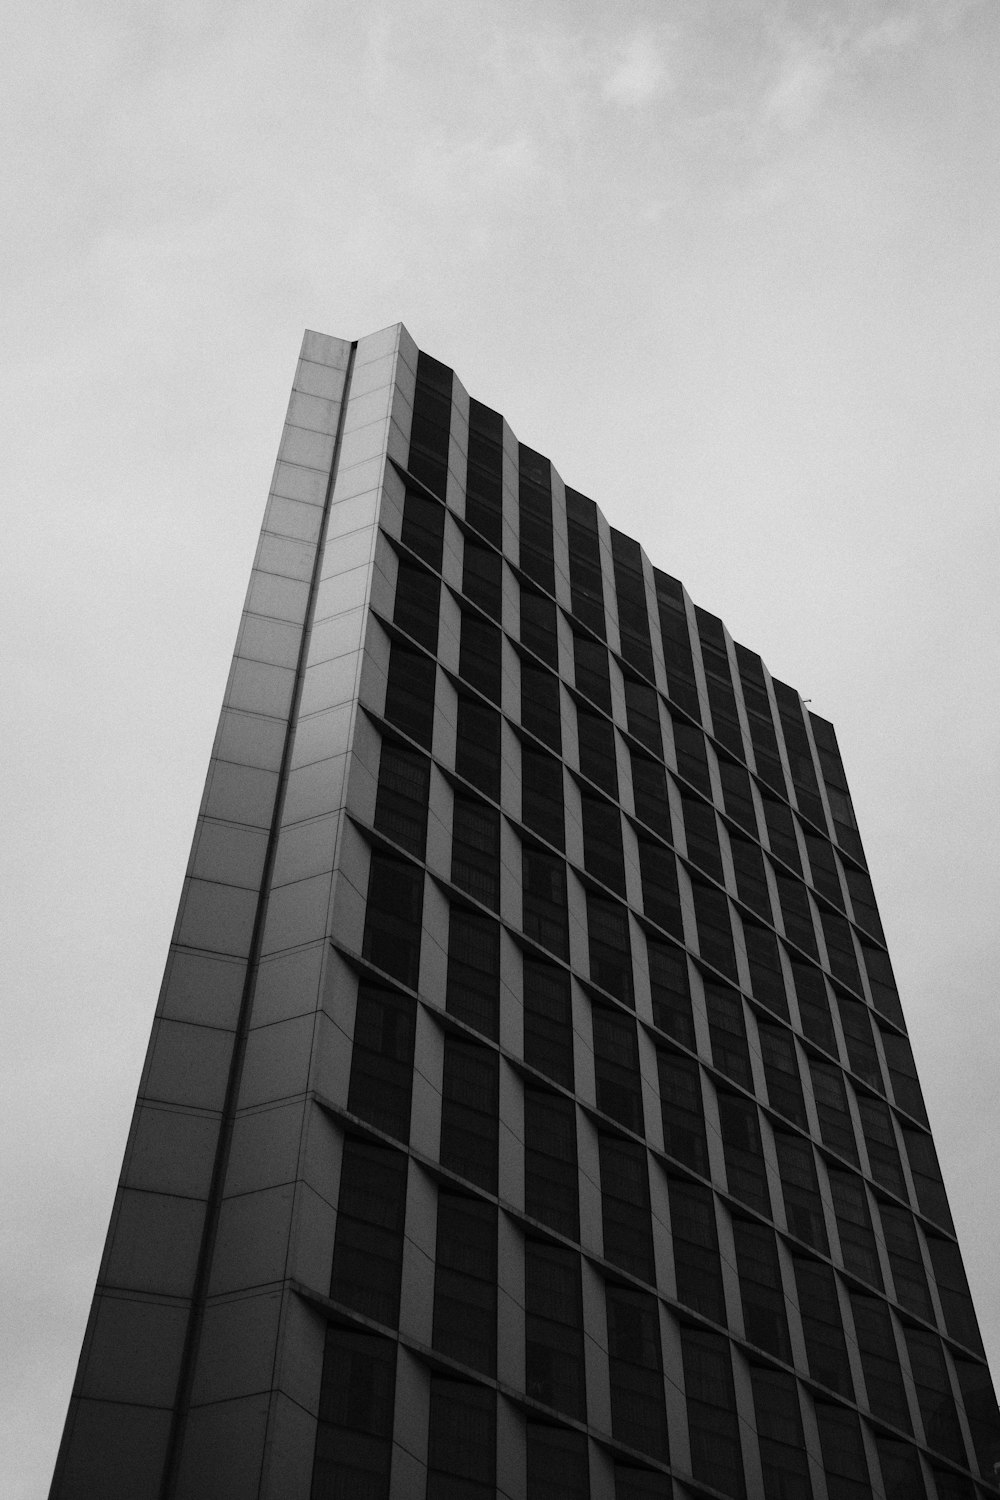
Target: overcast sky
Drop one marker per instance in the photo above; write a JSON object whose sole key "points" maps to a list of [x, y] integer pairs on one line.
{"points": [[731, 264]]}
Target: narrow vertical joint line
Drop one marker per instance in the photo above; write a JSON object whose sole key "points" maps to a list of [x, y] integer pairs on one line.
{"points": [[213, 1208]]}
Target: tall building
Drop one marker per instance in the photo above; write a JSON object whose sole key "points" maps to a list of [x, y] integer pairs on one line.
{"points": [[529, 1110]]}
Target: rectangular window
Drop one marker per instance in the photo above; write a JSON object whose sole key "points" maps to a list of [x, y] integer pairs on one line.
{"points": [[670, 991], [781, 1070], [417, 608], [682, 1109], [586, 582], [854, 1018], [461, 1441], [716, 1456], [401, 802], [480, 656], [535, 517], [800, 1189], [553, 1328], [475, 850], [784, 1464], [751, 881], [822, 1325], [715, 932], [814, 1006], [883, 1377], [591, 671], [633, 614], [676, 640], [602, 842], [737, 795], [482, 578], [484, 474], [469, 1112], [368, 1250], [423, 527], [903, 1072], [538, 626], [695, 1240], [429, 429], [382, 1060], [843, 1450], [477, 746], [558, 1463], [548, 1021], [625, 1202], [542, 796], [393, 918], [931, 1196], [781, 833], [635, 1368], [661, 900], [598, 757], [473, 993], [857, 1239], [642, 708], [692, 757], [409, 694], [616, 1066], [550, 1171], [702, 836], [906, 1262], [835, 1123], [356, 1403], [796, 913], [610, 948], [727, 1028], [767, 979], [880, 1138], [742, 1148], [761, 1288], [649, 794], [840, 950], [543, 882], [465, 1281], [540, 709]]}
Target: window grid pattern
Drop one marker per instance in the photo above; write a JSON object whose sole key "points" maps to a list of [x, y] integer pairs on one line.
{"points": [[696, 922]]}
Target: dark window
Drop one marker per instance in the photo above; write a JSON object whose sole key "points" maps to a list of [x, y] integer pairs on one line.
{"points": [[835, 1124], [800, 758], [553, 1328], [625, 1201], [767, 979], [814, 1006], [542, 804], [727, 1028], [409, 694], [670, 990], [844, 823], [737, 795], [781, 1069], [479, 659], [538, 626], [880, 1138], [675, 636], [401, 802], [368, 1250], [602, 842], [428, 459], [796, 913], [633, 615], [863, 902], [751, 881], [905, 1260], [702, 836], [879, 1360], [800, 1189], [661, 900], [758, 706], [721, 696], [598, 758], [743, 1151], [695, 1241], [840, 949], [885, 996], [715, 932], [857, 1239], [484, 475], [469, 1112], [535, 517], [465, 1281], [548, 1021], [540, 711], [382, 1060], [610, 948], [591, 668], [760, 1287], [934, 1394], [586, 583], [550, 1172], [616, 1065], [692, 757], [783, 1460], [716, 1457], [931, 1196], [477, 746], [423, 527], [635, 1368], [418, 604], [902, 1071], [354, 1435], [544, 899], [558, 1463], [461, 1441], [953, 1289], [823, 864], [682, 1109], [482, 578], [393, 917], [781, 833], [844, 1463], [649, 794], [901, 1473], [475, 849], [641, 1484], [981, 1410], [473, 993], [822, 1325], [643, 714]]}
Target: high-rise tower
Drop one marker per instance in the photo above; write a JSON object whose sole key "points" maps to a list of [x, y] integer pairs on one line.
{"points": [[529, 1110]]}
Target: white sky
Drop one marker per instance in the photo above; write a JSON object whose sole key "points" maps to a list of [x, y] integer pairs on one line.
{"points": [[731, 265]]}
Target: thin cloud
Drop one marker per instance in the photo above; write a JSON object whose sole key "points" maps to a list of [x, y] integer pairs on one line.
{"points": [[639, 76]]}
